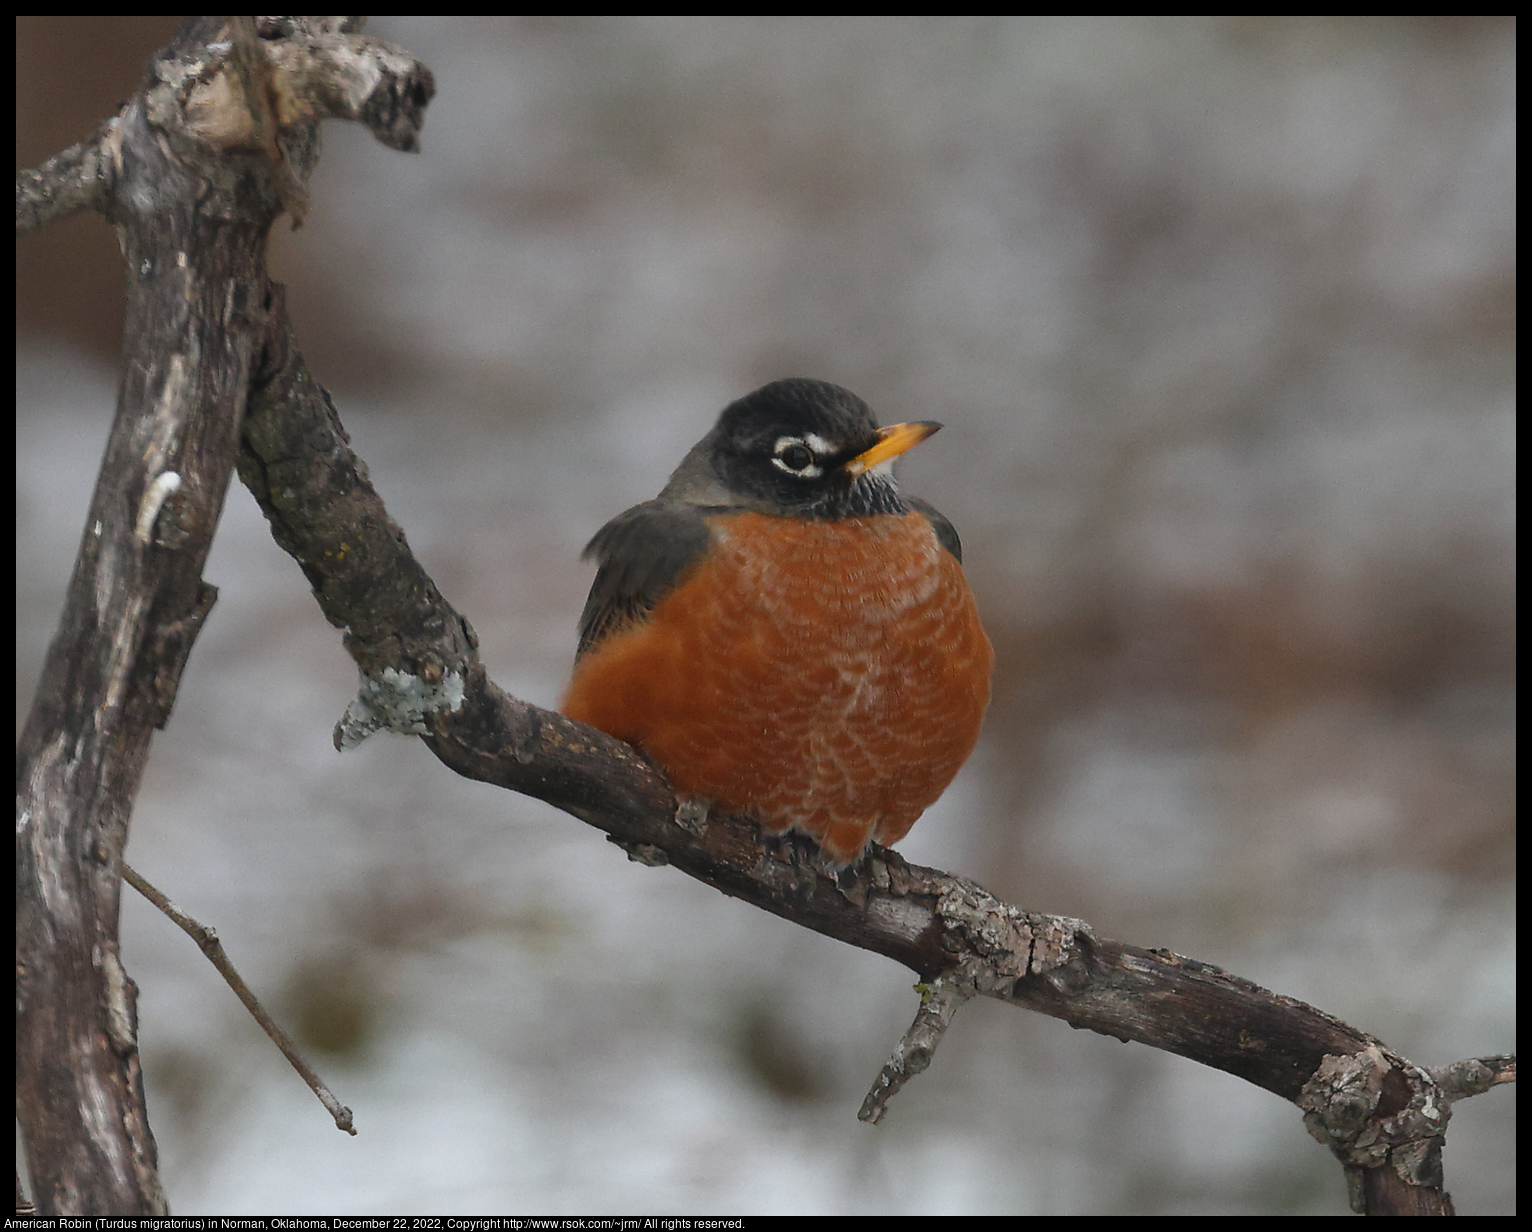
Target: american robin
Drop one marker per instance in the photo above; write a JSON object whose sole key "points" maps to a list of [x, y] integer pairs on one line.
{"points": [[783, 632]]}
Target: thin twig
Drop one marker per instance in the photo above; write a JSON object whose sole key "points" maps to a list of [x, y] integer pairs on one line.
{"points": [[939, 1003], [207, 941], [1474, 1076]]}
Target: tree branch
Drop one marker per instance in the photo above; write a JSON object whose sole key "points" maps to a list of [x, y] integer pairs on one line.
{"points": [[1380, 1113], [208, 942], [940, 1001], [77, 179], [1475, 1075], [192, 201]]}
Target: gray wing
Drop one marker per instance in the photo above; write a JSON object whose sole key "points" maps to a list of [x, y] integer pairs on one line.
{"points": [[641, 555], [946, 532]]}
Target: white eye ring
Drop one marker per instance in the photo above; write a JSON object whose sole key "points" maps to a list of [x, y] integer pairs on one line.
{"points": [[812, 445]]}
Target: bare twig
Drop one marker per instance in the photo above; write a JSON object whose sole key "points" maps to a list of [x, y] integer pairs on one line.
{"points": [[208, 942], [73, 180], [939, 1004], [1475, 1076]]}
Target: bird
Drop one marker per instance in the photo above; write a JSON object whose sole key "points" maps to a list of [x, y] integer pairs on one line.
{"points": [[783, 632]]}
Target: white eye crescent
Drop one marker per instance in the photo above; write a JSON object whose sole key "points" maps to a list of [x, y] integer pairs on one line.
{"points": [[798, 456]]}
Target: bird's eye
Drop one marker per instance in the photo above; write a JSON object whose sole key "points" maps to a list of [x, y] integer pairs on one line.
{"points": [[795, 457]]}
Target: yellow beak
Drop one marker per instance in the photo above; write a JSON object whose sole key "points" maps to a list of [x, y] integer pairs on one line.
{"points": [[892, 441]]}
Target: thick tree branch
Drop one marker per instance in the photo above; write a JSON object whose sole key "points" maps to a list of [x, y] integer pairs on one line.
{"points": [[193, 201]]}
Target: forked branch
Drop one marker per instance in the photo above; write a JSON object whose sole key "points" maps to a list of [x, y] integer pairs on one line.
{"points": [[191, 174]]}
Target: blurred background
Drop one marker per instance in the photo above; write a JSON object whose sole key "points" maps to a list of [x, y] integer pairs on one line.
{"points": [[1220, 316]]}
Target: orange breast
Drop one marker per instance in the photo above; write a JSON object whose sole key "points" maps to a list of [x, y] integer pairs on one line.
{"points": [[828, 676]]}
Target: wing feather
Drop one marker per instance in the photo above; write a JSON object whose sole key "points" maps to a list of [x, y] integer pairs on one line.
{"points": [[946, 532], [641, 555]]}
